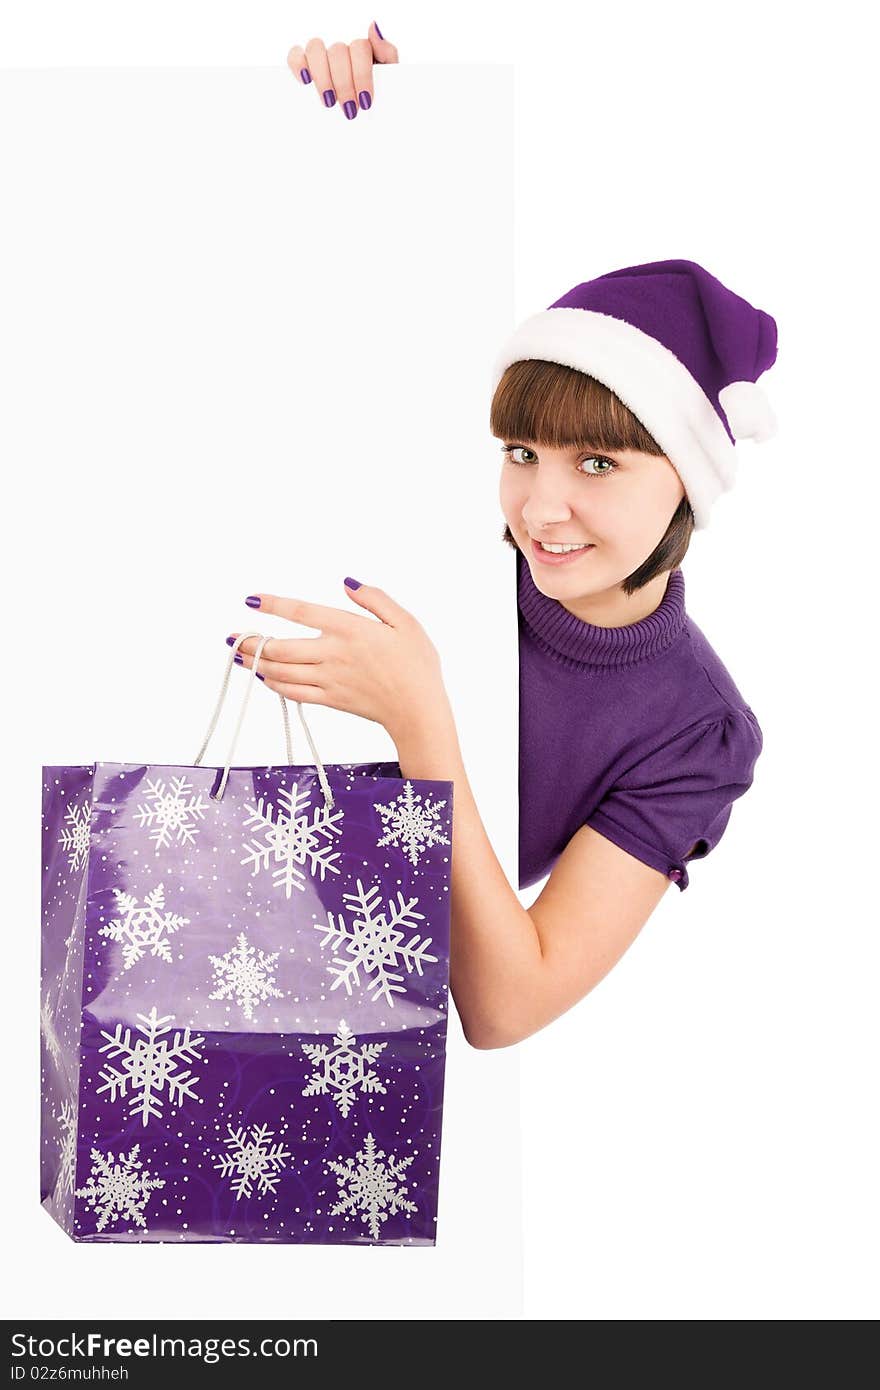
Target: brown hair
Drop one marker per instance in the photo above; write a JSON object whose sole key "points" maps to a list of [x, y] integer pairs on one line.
{"points": [[549, 404]]}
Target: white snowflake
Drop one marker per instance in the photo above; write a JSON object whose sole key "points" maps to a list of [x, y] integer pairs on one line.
{"points": [[117, 1187], [374, 943], [372, 1186], [245, 975], [76, 835], [290, 838], [410, 822], [343, 1069], [66, 1147], [143, 929], [173, 811], [49, 1031], [252, 1158], [149, 1066]]}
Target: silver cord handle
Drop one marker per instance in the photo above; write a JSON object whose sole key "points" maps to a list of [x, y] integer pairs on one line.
{"points": [[325, 785]]}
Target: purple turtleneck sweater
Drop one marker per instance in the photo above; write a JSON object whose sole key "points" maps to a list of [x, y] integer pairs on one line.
{"points": [[638, 731]]}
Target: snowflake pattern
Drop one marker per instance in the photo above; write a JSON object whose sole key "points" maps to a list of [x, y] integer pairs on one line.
{"points": [[117, 1187], [49, 1031], [76, 835], [343, 1069], [374, 943], [245, 975], [252, 1158], [150, 1065], [173, 812], [66, 1148], [290, 839], [411, 823], [372, 1186], [143, 929]]}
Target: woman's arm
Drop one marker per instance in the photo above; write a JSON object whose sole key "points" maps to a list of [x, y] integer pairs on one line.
{"points": [[513, 970]]}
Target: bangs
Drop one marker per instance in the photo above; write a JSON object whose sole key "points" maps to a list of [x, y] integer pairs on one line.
{"points": [[547, 403]]}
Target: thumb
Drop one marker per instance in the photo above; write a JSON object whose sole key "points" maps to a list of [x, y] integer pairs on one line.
{"points": [[383, 51], [375, 601]]}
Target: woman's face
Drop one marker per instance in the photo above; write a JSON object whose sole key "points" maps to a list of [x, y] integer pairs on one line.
{"points": [[619, 503]]}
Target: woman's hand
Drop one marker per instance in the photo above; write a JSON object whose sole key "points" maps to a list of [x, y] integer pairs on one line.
{"points": [[342, 71], [388, 671]]}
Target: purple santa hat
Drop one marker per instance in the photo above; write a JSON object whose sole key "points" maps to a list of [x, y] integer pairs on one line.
{"points": [[681, 350]]}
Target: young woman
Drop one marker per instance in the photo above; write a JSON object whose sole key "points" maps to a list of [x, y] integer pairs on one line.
{"points": [[618, 407]]}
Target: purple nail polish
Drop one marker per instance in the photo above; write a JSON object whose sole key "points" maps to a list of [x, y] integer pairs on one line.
{"points": [[351, 583], [259, 677], [253, 600], [239, 659], [350, 109], [305, 74], [329, 97], [230, 641], [365, 100], [378, 30]]}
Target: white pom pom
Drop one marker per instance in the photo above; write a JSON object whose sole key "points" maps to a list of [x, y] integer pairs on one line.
{"points": [[748, 411]]}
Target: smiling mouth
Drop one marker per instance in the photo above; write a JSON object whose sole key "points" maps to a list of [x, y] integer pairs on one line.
{"points": [[559, 557], [560, 547]]}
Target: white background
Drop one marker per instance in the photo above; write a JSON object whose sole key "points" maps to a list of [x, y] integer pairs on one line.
{"points": [[699, 1136]]}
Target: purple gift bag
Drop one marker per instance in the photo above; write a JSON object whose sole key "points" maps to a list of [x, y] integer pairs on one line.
{"points": [[244, 996]]}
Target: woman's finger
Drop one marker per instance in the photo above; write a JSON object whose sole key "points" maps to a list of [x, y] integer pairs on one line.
{"points": [[298, 64], [306, 650], [319, 67], [291, 672], [343, 81], [362, 71], [302, 694], [296, 610], [383, 51]]}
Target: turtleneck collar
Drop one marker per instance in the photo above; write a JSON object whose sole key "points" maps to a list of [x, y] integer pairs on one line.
{"points": [[563, 635]]}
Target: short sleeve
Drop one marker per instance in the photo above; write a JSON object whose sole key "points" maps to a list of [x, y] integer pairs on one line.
{"points": [[679, 797]]}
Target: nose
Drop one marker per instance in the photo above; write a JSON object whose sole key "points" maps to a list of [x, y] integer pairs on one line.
{"points": [[546, 504]]}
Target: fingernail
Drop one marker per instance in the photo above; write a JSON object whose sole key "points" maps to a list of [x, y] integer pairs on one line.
{"points": [[230, 641], [350, 109], [365, 101], [329, 97], [258, 676], [253, 600], [352, 583], [378, 30], [305, 74], [239, 659]]}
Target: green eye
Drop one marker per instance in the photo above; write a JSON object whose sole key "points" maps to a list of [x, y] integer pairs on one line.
{"points": [[510, 448], [600, 458], [612, 467]]}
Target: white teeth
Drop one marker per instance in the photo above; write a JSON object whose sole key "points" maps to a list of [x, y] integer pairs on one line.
{"points": [[560, 549]]}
